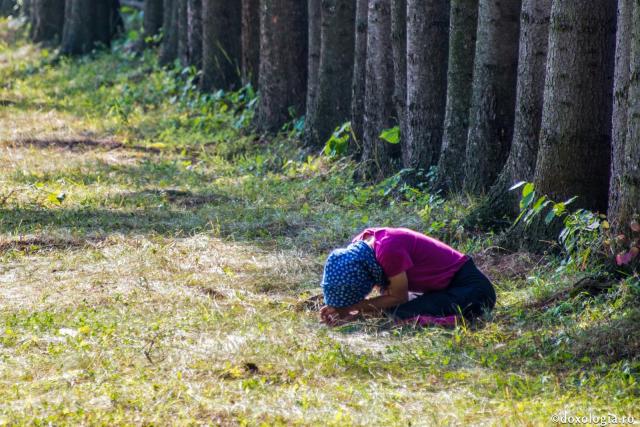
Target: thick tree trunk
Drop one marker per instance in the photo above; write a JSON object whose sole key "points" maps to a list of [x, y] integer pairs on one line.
{"points": [[221, 26], [88, 24], [47, 21], [283, 62], [250, 41], [521, 164], [183, 32], [575, 137], [194, 32], [152, 19], [169, 48], [7, 7], [624, 191], [359, 72], [333, 100], [378, 108], [494, 92], [462, 46], [427, 52], [399, 47], [314, 13]]}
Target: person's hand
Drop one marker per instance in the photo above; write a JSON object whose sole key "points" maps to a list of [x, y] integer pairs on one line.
{"points": [[333, 316]]}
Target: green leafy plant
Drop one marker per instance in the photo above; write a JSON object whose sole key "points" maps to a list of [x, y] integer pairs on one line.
{"points": [[583, 234], [392, 135], [338, 143]]}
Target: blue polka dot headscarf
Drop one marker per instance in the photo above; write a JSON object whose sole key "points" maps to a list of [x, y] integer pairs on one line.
{"points": [[350, 274]]}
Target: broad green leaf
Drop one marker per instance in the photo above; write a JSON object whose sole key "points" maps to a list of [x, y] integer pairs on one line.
{"points": [[528, 189], [550, 216], [392, 136]]}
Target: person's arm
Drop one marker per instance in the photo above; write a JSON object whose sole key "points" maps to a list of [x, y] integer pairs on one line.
{"points": [[396, 293]]}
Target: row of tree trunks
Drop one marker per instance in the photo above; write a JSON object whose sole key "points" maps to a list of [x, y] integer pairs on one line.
{"points": [[359, 71], [47, 20], [169, 48], [89, 23], [221, 44], [462, 45], [194, 33], [624, 203], [521, 163], [427, 51], [152, 19], [378, 94], [250, 41], [335, 71], [399, 52], [283, 57], [7, 7], [494, 92], [314, 31], [575, 136]]}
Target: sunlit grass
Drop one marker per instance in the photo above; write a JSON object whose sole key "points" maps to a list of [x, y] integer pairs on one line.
{"points": [[155, 260]]}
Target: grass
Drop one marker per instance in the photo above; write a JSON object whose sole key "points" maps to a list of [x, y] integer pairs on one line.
{"points": [[156, 260]]}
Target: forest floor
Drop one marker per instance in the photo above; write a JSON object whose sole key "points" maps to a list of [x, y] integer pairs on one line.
{"points": [[157, 260]]}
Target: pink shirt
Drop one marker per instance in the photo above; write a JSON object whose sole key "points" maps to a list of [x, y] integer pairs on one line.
{"points": [[429, 263]]}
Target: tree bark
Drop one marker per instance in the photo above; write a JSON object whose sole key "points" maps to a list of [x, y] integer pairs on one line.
{"points": [[47, 21], [359, 72], [89, 23], [427, 52], [575, 137], [314, 13], [521, 163], [335, 74], [250, 42], [624, 190], [152, 20], [169, 47], [283, 62], [7, 7], [194, 32], [399, 48], [183, 32], [462, 45], [494, 92], [378, 101], [221, 24]]}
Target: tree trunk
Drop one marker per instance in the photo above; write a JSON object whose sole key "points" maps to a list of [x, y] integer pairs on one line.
{"points": [[377, 159], [7, 7], [47, 21], [250, 41], [152, 19], [494, 92], [521, 163], [575, 137], [359, 72], [624, 191], [399, 48], [427, 51], [169, 48], [283, 62], [336, 70], [462, 46], [89, 23], [221, 25], [183, 32], [314, 13], [194, 32]]}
